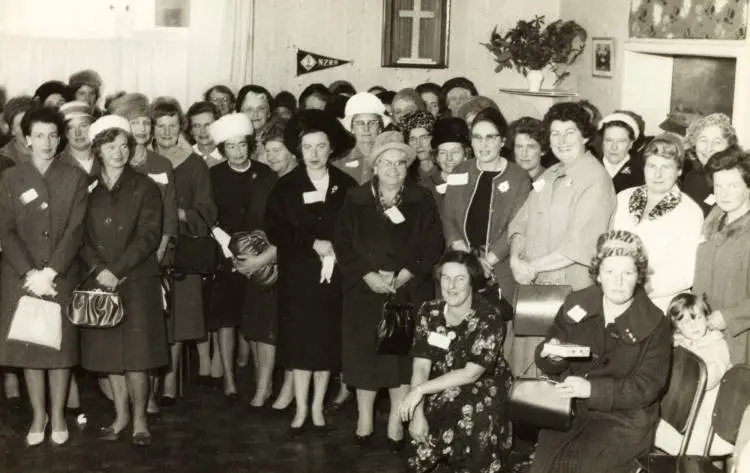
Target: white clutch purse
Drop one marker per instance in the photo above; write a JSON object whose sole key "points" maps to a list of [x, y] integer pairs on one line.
{"points": [[37, 321]]}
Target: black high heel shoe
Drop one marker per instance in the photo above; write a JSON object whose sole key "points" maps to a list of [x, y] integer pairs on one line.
{"points": [[363, 440], [396, 446], [295, 432]]}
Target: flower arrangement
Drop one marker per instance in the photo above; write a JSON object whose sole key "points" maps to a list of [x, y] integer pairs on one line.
{"points": [[532, 46]]}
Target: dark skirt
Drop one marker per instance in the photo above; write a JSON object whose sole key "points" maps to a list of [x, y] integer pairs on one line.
{"points": [[186, 322], [260, 313], [226, 299], [139, 343]]}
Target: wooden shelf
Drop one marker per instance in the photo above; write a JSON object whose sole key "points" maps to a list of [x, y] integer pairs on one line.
{"points": [[551, 93]]}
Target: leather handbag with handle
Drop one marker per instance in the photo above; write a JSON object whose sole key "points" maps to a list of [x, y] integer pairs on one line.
{"points": [[535, 401], [95, 308], [536, 307], [395, 331]]}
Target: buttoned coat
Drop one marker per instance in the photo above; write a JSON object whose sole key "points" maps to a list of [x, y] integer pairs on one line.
{"points": [[123, 230], [628, 371], [41, 225]]}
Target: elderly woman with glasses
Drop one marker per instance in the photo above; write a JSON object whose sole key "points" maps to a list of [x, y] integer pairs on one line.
{"points": [[417, 127], [387, 239], [222, 97], [365, 118]]}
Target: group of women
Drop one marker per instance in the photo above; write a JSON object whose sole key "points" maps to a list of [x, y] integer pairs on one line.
{"points": [[384, 200]]}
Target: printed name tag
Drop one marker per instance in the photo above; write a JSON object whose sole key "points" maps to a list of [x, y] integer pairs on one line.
{"points": [[352, 164], [458, 179], [160, 178], [395, 215], [441, 188], [313, 197], [92, 186], [29, 196], [439, 340], [577, 313], [538, 185], [710, 200]]}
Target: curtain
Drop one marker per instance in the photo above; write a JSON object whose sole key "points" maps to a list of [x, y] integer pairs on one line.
{"points": [[181, 62]]}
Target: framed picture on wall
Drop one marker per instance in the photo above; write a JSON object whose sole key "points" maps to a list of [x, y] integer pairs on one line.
{"points": [[415, 33], [603, 60]]}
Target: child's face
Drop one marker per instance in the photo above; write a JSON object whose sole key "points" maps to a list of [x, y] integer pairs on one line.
{"points": [[692, 328]]}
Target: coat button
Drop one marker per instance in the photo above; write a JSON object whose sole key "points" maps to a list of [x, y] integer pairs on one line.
{"points": [[45, 234], [107, 221]]}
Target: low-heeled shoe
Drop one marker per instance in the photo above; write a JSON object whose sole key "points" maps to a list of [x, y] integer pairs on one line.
{"points": [[396, 446], [142, 439], [363, 440]]}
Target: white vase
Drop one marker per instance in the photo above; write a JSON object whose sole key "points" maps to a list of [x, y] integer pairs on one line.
{"points": [[535, 77]]}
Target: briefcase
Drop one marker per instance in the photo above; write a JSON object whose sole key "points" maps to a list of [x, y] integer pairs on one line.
{"points": [[536, 402]]}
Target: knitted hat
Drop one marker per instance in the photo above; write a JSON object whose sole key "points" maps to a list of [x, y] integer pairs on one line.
{"points": [[107, 122], [450, 130], [16, 105], [130, 106], [418, 119], [390, 140], [475, 105], [86, 77], [52, 87], [75, 109], [229, 126], [364, 102]]}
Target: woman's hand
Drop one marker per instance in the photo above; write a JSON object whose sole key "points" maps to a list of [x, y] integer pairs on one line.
{"points": [[460, 245], [574, 386], [403, 277], [323, 248], [410, 403], [181, 215], [107, 280], [522, 271], [716, 321], [378, 283], [546, 354], [418, 428]]}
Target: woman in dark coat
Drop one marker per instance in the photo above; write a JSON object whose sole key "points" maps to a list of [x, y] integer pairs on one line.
{"points": [[123, 230], [617, 390], [388, 238], [241, 188], [620, 134], [42, 207], [302, 212]]}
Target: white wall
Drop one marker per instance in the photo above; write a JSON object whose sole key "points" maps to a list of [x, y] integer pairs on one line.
{"points": [[348, 29], [600, 18]]}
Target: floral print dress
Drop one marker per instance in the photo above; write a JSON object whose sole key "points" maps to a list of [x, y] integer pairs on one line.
{"points": [[468, 426]]}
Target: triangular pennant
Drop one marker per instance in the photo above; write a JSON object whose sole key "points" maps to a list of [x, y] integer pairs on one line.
{"points": [[310, 62]]}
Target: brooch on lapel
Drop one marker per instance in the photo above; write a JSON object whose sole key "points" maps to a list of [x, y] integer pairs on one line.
{"points": [[334, 189], [503, 187], [625, 170], [254, 175]]}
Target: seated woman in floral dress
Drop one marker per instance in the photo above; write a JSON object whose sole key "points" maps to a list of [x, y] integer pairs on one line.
{"points": [[460, 379]]}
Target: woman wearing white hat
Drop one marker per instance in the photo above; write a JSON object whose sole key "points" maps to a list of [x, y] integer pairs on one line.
{"points": [[620, 132], [241, 188], [388, 238], [124, 261]]}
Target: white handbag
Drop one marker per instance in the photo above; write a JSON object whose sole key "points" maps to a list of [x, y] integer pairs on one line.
{"points": [[37, 321]]}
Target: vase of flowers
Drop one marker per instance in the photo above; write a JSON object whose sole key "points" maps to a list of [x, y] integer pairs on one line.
{"points": [[532, 46]]}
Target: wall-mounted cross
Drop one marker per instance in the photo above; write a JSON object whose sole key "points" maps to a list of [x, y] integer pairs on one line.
{"points": [[417, 15]]}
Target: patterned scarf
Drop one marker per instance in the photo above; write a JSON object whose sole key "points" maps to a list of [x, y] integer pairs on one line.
{"points": [[381, 202], [639, 198]]}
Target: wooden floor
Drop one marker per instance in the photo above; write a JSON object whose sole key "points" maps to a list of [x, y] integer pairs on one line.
{"points": [[203, 433]]}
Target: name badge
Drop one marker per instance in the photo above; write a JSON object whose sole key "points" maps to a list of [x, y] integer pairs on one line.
{"points": [[439, 340], [458, 179], [395, 215], [576, 313], [312, 197], [441, 188], [92, 186], [160, 178], [352, 164], [29, 196], [710, 200]]}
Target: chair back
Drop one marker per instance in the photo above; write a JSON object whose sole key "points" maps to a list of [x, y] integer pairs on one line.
{"points": [[536, 307], [731, 401], [687, 384]]}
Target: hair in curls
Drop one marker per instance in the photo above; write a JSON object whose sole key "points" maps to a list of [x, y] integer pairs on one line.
{"points": [[620, 243], [167, 107], [568, 112], [43, 115], [255, 89], [666, 145], [108, 136], [731, 158], [525, 126], [222, 89], [196, 109], [470, 261]]}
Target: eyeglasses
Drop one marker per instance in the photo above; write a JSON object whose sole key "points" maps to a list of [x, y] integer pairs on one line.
{"points": [[221, 101], [392, 164], [488, 139]]}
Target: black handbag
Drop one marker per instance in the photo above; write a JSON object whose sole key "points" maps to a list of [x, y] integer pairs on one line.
{"points": [[395, 331], [195, 255], [95, 308], [535, 402]]}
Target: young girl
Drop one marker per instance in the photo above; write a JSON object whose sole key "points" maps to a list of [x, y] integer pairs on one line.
{"points": [[688, 313]]}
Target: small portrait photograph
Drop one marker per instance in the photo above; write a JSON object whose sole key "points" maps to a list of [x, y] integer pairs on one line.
{"points": [[603, 64]]}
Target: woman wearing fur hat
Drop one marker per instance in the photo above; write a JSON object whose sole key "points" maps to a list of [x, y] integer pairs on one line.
{"points": [[13, 113], [196, 213], [388, 238], [417, 127], [52, 93], [450, 142], [302, 211], [86, 86]]}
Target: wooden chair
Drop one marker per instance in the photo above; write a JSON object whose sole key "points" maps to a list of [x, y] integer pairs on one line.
{"points": [[680, 404], [731, 402]]}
